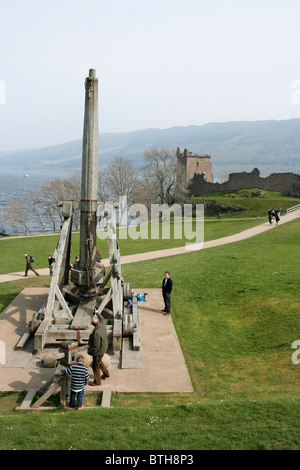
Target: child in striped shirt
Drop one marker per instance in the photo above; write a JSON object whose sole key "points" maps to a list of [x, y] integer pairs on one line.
{"points": [[79, 378]]}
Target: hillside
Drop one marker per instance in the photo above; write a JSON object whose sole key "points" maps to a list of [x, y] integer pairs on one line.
{"points": [[272, 146], [245, 203]]}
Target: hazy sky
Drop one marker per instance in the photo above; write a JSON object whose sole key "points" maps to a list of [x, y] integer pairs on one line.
{"points": [[160, 63]]}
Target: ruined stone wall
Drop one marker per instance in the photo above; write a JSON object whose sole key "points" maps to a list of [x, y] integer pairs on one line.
{"points": [[287, 183]]}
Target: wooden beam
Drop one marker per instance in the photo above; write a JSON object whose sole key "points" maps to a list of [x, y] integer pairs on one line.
{"points": [[105, 300], [24, 338], [46, 395], [59, 265], [106, 397], [63, 303], [103, 284], [83, 316], [27, 400]]}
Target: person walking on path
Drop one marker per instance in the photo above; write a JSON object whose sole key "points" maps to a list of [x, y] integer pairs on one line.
{"points": [[98, 345], [167, 286], [29, 261], [79, 378]]}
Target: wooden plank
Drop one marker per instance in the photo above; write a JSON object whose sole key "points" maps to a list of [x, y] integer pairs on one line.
{"points": [[103, 284], [83, 316], [105, 301], [2, 352], [58, 271], [65, 390], [39, 337], [46, 395], [27, 400], [136, 340], [106, 397], [63, 303], [131, 359], [57, 335], [117, 335], [24, 338]]}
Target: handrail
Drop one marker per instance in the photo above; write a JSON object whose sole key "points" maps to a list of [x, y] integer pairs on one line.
{"points": [[294, 208]]}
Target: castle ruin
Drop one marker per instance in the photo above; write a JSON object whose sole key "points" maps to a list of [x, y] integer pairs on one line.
{"points": [[191, 164], [196, 173], [286, 183]]}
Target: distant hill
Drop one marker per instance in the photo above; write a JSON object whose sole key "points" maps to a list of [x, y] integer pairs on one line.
{"points": [[272, 146]]}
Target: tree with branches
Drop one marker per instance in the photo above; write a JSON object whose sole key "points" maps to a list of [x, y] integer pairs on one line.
{"points": [[161, 169], [16, 215], [45, 203], [122, 180]]}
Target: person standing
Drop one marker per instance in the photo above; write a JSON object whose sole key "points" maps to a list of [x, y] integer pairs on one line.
{"points": [[29, 261], [51, 261], [79, 378], [98, 345], [75, 265], [167, 286]]}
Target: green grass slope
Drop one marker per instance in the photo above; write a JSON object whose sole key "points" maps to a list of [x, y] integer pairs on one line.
{"points": [[235, 308], [249, 200]]}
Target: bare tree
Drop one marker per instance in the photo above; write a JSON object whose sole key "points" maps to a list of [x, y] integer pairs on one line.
{"points": [[43, 206], [144, 192], [16, 215], [160, 169], [72, 192], [45, 203], [104, 190], [122, 179]]}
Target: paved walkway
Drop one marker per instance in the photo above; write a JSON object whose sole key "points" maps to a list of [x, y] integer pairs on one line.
{"points": [[163, 366], [175, 251]]}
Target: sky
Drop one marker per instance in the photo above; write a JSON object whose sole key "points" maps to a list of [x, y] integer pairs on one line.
{"points": [[160, 64]]}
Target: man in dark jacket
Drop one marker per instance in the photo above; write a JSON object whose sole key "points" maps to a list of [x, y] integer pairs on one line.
{"points": [[29, 265], [167, 286], [98, 345]]}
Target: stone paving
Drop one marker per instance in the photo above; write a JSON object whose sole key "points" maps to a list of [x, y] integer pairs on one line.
{"points": [[163, 365]]}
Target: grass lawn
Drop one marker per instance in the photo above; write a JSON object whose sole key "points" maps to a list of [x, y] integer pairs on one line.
{"points": [[12, 250], [236, 313], [255, 212], [265, 425]]}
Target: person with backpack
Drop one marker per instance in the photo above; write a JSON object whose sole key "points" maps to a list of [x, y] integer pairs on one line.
{"points": [[29, 261]]}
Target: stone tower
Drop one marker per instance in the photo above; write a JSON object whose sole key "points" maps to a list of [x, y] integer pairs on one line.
{"points": [[194, 164]]}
